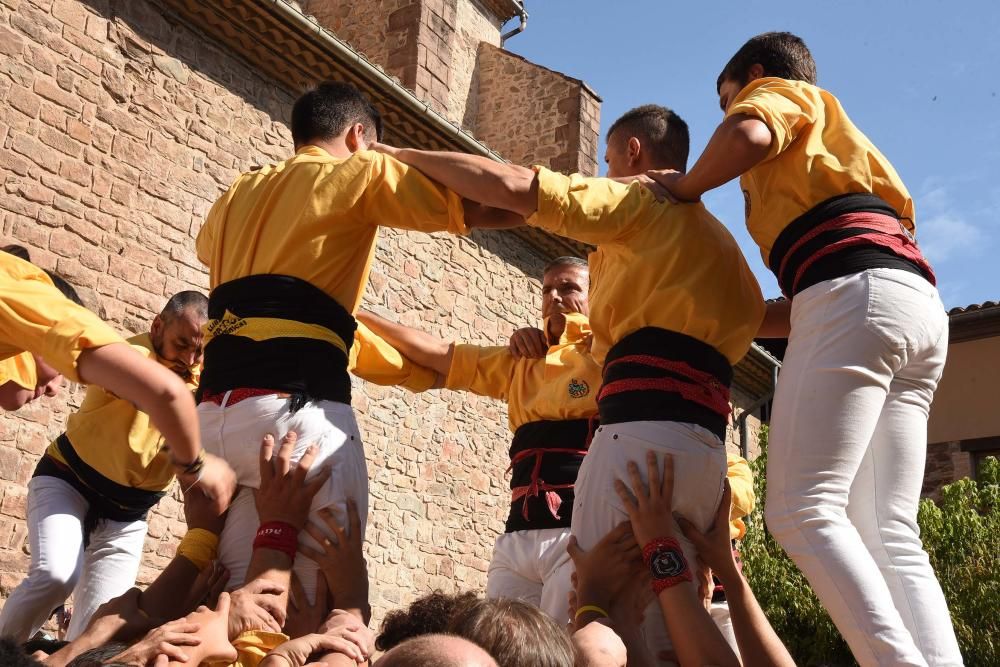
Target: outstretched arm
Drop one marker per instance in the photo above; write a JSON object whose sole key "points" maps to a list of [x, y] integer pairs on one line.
{"points": [[421, 347], [739, 143], [495, 184], [170, 406], [479, 216], [758, 642]]}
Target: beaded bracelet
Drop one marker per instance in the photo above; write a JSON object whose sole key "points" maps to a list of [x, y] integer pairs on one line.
{"points": [[666, 562]]}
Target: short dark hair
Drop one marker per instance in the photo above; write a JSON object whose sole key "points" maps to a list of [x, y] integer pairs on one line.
{"points": [[60, 283], [12, 654], [514, 632], [663, 132], [181, 301], [328, 109], [781, 54], [100, 656], [425, 615], [567, 260]]}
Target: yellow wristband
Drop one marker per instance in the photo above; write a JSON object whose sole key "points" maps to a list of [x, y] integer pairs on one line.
{"points": [[591, 607], [199, 546]]}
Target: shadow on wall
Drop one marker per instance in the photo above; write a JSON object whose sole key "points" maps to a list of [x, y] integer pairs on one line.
{"points": [[154, 40]]}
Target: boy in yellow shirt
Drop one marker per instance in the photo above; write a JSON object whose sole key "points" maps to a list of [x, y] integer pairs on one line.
{"points": [[673, 305], [867, 340]]}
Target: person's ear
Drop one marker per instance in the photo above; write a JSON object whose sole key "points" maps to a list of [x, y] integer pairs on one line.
{"points": [[633, 149], [157, 327], [755, 72], [355, 138]]}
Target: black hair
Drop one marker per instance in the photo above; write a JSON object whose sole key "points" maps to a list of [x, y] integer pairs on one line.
{"points": [[662, 131], [13, 655], [49, 646], [781, 54], [100, 656], [181, 301], [325, 111], [427, 615]]}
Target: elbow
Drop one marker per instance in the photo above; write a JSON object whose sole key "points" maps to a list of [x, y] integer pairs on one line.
{"points": [[521, 188]]}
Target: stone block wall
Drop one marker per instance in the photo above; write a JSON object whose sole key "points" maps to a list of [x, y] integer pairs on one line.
{"points": [[430, 45], [121, 127], [946, 463], [516, 118]]}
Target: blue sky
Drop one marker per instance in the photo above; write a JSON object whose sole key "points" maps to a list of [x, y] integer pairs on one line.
{"points": [[920, 78]]}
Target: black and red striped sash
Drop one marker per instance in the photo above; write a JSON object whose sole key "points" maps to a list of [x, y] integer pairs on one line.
{"points": [[840, 236], [658, 375]]}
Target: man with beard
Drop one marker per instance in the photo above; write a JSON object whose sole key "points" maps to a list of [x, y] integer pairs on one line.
{"points": [[91, 492]]}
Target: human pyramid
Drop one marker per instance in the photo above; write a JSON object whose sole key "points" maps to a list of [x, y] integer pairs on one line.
{"points": [[625, 513]]}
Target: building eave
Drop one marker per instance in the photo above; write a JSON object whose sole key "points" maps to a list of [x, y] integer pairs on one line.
{"points": [[974, 322], [754, 373], [295, 50]]}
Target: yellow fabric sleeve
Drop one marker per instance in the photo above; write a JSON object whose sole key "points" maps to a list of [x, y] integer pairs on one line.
{"points": [[743, 498], [779, 105], [487, 371], [374, 360], [592, 210], [19, 369], [36, 317], [400, 196], [252, 647], [199, 546]]}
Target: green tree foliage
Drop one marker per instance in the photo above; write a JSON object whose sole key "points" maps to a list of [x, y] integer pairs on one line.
{"points": [[961, 536]]}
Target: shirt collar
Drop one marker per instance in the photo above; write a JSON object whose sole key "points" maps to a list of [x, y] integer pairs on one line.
{"points": [[315, 151], [577, 329]]}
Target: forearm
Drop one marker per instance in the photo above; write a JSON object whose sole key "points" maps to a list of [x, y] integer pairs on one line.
{"points": [[161, 598], [420, 347], [152, 388], [738, 144], [273, 566], [777, 320], [759, 644], [497, 184], [697, 640], [487, 217]]}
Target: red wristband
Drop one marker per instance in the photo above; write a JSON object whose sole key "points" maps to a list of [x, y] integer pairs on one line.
{"points": [[279, 536], [667, 565]]}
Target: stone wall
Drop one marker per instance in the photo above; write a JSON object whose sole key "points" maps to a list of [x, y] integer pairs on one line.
{"points": [[946, 462], [122, 124], [429, 44], [516, 118]]}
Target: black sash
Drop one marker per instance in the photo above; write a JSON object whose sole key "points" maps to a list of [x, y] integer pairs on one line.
{"points": [[658, 375], [538, 454], [301, 366]]}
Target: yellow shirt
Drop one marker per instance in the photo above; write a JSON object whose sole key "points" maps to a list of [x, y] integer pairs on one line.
{"points": [[672, 266], [816, 153], [21, 370], [376, 361], [252, 647], [743, 497], [36, 317], [561, 386], [316, 217], [117, 440]]}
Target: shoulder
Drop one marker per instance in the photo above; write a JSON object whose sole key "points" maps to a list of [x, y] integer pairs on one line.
{"points": [[142, 343]]}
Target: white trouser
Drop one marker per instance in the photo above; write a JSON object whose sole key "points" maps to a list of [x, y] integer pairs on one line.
{"points": [[60, 565], [846, 461], [699, 470], [534, 566], [719, 612], [235, 434]]}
